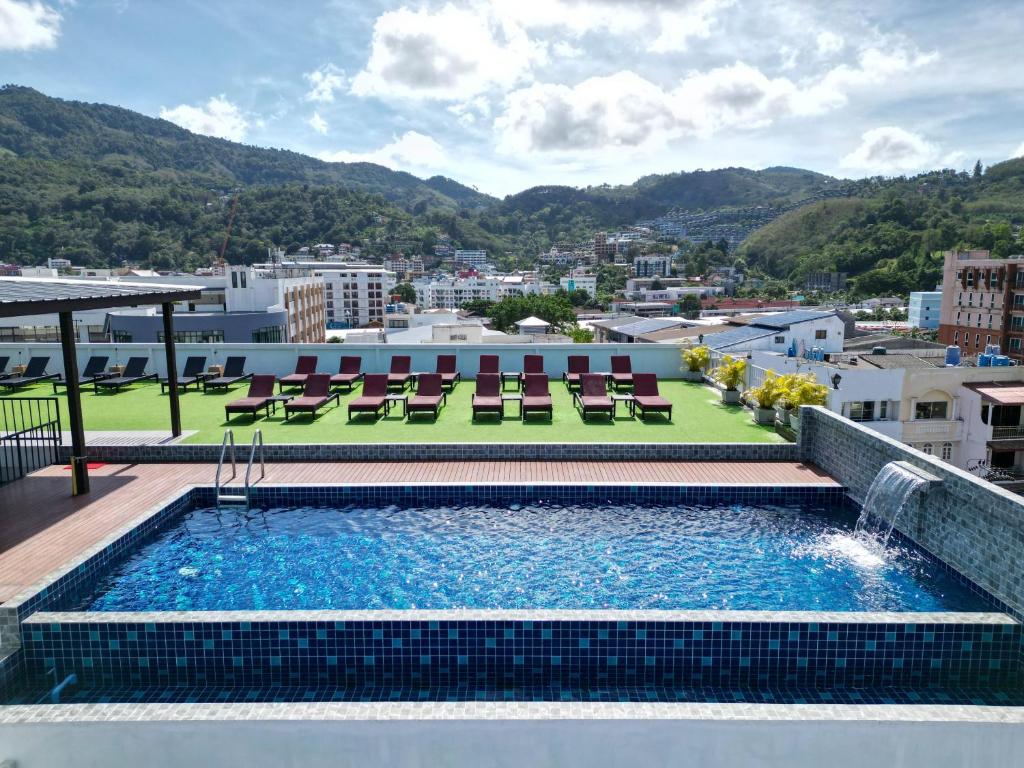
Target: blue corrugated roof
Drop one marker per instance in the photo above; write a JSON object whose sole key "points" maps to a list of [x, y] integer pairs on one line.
{"points": [[736, 336], [786, 319]]}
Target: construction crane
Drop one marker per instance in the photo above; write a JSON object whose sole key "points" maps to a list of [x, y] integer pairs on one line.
{"points": [[231, 221]]}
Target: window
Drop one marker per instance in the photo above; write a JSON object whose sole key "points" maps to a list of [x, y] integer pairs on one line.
{"points": [[927, 448], [1018, 299], [947, 452], [243, 279], [977, 340], [868, 410], [984, 414], [1015, 345], [930, 410], [821, 334], [194, 337], [782, 339], [271, 334], [121, 337], [234, 279]]}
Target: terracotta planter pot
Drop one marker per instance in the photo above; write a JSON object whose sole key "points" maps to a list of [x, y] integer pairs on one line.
{"points": [[731, 396]]}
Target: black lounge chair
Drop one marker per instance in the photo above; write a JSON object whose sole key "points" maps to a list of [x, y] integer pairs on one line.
{"points": [[134, 372], [234, 372], [35, 372], [95, 370], [3, 367], [194, 373]]}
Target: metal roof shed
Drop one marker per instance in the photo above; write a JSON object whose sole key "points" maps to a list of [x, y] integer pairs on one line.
{"points": [[36, 296]]}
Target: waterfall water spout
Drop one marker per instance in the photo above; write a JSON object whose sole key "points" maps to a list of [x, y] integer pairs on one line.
{"points": [[890, 491]]}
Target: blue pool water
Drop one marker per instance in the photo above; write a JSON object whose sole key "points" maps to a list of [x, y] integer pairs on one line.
{"points": [[736, 556]]}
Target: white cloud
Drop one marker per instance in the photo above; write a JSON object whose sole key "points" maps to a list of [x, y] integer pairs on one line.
{"points": [[218, 117], [566, 50], [318, 124], [1018, 152], [27, 24], [324, 82], [411, 150], [627, 110], [452, 53], [829, 43], [891, 149]]}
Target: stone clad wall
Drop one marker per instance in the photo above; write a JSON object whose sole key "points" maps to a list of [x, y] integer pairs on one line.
{"points": [[972, 525]]}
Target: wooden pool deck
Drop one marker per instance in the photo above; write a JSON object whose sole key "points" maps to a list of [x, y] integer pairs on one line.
{"points": [[42, 526]]}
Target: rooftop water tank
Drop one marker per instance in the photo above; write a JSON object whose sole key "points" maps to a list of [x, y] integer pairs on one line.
{"points": [[952, 355], [1000, 360], [984, 360], [878, 350]]}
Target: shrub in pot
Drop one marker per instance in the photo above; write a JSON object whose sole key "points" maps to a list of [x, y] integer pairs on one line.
{"points": [[695, 361], [803, 389], [730, 375], [763, 398]]}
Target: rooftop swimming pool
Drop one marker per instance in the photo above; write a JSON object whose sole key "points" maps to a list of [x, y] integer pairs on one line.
{"points": [[540, 555]]}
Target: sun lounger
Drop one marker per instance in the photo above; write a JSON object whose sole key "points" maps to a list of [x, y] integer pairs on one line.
{"points": [[348, 373], [134, 371], [3, 367], [304, 367], [536, 397], [487, 398], [488, 364], [578, 365], [35, 372], [193, 373], [531, 364], [593, 396], [447, 368], [622, 371], [234, 372], [315, 396], [261, 389], [429, 397], [646, 396], [95, 369], [373, 398], [401, 371]]}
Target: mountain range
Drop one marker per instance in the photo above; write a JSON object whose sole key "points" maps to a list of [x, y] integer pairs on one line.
{"points": [[100, 184]]}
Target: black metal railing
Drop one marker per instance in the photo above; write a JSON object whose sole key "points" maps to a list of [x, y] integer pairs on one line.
{"points": [[30, 435]]}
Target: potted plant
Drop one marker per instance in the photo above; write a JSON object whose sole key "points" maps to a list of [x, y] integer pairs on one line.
{"points": [[730, 375], [695, 362], [804, 389], [784, 403], [763, 397]]}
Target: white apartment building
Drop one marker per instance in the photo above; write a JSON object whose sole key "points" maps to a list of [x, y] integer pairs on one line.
{"points": [[579, 281], [471, 258], [652, 265], [355, 295], [259, 288], [453, 292]]}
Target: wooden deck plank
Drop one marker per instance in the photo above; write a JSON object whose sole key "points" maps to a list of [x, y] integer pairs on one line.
{"points": [[43, 527]]}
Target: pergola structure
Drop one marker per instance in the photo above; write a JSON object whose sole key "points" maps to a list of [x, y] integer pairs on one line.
{"points": [[38, 296]]}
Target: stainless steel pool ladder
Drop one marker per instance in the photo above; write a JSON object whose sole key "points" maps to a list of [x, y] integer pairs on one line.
{"points": [[228, 444]]}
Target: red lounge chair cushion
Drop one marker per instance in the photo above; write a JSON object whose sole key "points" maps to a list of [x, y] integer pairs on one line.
{"points": [[366, 403], [486, 401], [594, 401], [651, 402], [246, 404], [305, 403]]}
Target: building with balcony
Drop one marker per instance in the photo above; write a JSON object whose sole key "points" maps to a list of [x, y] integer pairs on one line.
{"points": [[471, 258], [982, 303], [259, 288], [652, 265]]}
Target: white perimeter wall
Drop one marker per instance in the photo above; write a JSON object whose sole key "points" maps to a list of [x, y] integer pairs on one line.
{"points": [[514, 744], [279, 359]]}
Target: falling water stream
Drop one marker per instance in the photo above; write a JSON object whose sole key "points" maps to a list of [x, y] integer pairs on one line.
{"points": [[890, 491]]}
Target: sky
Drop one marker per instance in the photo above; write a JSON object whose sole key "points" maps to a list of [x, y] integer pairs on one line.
{"points": [[510, 94]]}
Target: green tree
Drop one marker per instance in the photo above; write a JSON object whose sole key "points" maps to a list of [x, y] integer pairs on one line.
{"points": [[978, 170], [579, 335], [405, 292], [552, 309], [478, 307], [690, 306]]}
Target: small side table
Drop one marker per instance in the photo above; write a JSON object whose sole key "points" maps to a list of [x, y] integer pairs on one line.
{"points": [[628, 400], [390, 400], [273, 401], [513, 376], [215, 370], [512, 398], [19, 369], [117, 370]]}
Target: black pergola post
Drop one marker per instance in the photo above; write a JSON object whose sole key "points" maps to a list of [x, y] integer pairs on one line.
{"points": [[79, 461], [172, 368]]}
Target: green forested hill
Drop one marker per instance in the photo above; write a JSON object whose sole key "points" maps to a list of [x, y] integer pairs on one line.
{"points": [[889, 237]]}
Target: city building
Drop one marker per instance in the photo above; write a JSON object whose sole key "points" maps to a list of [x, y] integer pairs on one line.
{"points": [[471, 258], [982, 303], [652, 265], [453, 292], [354, 295], [259, 288], [924, 309], [832, 282], [579, 280], [406, 268]]}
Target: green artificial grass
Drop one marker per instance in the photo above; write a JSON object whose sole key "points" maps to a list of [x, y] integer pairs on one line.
{"points": [[698, 417]]}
